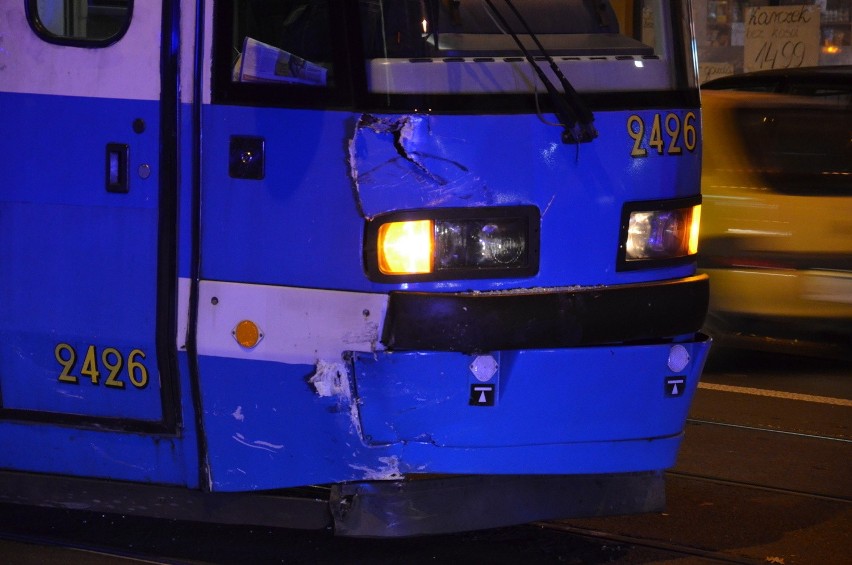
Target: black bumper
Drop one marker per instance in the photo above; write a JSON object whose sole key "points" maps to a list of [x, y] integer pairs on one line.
{"points": [[546, 319]]}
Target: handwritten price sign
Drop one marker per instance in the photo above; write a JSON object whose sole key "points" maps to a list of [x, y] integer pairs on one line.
{"points": [[781, 37]]}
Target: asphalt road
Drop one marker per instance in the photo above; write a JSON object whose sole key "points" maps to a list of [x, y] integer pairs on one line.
{"points": [[765, 471]]}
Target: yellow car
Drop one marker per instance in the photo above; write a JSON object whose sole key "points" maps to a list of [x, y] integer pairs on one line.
{"points": [[776, 233]]}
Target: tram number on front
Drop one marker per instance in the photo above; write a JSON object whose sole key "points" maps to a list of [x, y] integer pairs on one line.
{"points": [[109, 367], [667, 135]]}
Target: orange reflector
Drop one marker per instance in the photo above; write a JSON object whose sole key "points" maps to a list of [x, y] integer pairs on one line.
{"points": [[247, 334]]}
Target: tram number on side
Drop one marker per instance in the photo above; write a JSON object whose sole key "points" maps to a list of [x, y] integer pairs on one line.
{"points": [[667, 135], [109, 367]]}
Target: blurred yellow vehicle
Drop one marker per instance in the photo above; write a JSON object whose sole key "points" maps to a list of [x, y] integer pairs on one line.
{"points": [[776, 233]]}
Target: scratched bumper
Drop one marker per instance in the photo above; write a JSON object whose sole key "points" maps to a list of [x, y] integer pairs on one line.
{"points": [[545, 319]]}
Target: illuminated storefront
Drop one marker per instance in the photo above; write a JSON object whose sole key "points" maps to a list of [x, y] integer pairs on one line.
{"points": [[735, 36]]}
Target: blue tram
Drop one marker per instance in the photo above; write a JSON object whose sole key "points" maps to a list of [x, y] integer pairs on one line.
{"points": [[400, 267]]}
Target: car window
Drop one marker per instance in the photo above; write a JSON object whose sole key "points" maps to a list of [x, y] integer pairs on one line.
{"points": [[838, 96], [798, 145]]}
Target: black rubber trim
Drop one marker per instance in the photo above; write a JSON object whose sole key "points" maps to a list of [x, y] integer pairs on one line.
{"points": [[496, 321]]}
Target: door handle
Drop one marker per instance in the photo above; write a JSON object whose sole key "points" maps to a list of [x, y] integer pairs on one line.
{"points": [[117, 168]]}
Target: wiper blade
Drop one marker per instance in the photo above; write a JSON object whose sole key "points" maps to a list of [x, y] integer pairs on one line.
{"points": [[576, 118]]}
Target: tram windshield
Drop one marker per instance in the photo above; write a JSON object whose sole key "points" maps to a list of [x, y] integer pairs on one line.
{"points": [[466, 46]]}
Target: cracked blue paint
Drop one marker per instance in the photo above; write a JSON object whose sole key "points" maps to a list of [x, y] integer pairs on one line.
{"points": [[398, 163]]}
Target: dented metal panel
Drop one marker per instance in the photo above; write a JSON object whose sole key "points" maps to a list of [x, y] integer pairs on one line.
{"points": [[399, 163]]}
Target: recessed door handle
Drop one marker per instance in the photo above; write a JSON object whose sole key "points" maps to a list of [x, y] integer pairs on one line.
{"points": [[117, 168]]}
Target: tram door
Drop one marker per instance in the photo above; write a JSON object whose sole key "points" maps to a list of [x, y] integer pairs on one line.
{"points": [[84, 199]]}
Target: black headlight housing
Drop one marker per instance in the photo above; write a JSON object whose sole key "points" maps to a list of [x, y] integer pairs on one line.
{"points": [[658, 233], [453, 243]]}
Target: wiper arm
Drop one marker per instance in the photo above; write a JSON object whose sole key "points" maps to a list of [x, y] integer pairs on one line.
{"points": [[585, 117], [574, 115]]}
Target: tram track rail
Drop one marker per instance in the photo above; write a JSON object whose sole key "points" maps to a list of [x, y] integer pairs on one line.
{"points": [[685, 550], [675, 549], [769, 430], [757, 486], [107, 555], [636, 538], [826, 439]]}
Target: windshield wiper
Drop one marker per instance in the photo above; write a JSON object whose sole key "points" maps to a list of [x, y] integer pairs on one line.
{"points": [[574, 116]]}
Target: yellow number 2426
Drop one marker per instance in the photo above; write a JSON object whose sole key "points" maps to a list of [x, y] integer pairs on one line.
{"points": [[108, 367], [665, 135]]}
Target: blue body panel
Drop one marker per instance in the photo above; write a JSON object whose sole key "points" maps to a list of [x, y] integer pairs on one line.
{"points": [[79, 281], [583, 410], [266, 428], [542, 397], [302, 225], [79, 263]]}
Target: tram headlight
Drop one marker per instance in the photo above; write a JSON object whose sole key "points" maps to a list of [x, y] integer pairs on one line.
{"points": [[405, 247], [454, 243], [659, 233]]}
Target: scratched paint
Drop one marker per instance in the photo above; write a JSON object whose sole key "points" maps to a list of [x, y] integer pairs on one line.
{"points": [[399, 163], [258, 444], [388, 469], [331, 379]]}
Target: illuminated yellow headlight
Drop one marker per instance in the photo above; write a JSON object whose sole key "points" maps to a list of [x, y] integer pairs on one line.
{"points": [[406, 247], [660, 231], [453, 243]]}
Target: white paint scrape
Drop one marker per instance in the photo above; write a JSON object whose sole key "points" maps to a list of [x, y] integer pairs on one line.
{"points": [[387, 471], [257, 444], [331, 379]]}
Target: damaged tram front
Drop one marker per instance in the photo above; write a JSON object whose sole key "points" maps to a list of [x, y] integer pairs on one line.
{"points": [[434, 258]]}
